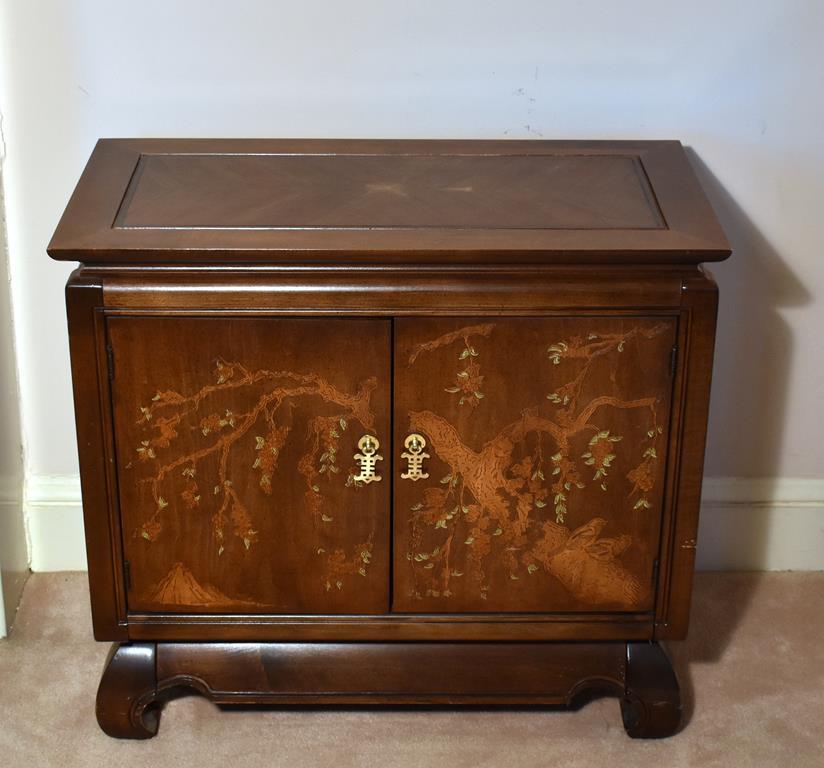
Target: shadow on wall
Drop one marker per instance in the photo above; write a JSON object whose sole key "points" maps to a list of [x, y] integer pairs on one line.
{"points": [[753, 364], [753, 361]]}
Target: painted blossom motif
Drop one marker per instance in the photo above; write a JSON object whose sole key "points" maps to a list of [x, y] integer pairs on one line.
{"points": [[468, 382], [340, 564], [489, 508], [642, 476], [177, 477]]}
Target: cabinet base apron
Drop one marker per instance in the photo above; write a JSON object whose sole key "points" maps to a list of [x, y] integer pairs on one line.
{"points": [[139, 677]]}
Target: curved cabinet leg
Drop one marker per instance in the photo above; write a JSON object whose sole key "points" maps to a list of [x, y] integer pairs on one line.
{"points": [[126, 698], [651, 707], [138, 676]]}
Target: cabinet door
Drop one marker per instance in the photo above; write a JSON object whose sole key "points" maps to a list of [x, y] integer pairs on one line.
{"points": [[546, 441], [235, 440]]}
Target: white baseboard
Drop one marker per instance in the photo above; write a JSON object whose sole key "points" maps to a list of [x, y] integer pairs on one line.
{"points": [[761, 524], [54, 516], [757, 524]]}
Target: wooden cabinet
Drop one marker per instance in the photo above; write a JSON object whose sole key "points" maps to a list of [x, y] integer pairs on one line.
{"points": [[408, 422]]}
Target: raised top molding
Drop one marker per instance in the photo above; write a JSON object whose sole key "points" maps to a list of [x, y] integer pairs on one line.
{"points": [[388, 202]]}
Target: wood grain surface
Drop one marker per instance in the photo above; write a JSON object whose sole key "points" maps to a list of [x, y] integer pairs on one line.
{"points": [[248, 312], [319, 201], [548, 445], [235, 442]]}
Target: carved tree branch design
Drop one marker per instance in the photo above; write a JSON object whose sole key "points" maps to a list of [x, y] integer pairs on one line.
{"points": [[221, 432], [468, 380], [489, 501]]}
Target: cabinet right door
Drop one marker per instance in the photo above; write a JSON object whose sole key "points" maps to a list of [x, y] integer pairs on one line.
{"points": [[545, 442]]}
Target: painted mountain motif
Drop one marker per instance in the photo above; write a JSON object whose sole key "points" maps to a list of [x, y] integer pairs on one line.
{"points": [[180, 588]]}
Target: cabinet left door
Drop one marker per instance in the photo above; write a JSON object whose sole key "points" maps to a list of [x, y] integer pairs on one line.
{"points": [[235, 440]]}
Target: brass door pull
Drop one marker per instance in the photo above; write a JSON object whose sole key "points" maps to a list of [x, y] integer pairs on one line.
{"points": [[368, 445], [414, 455]]}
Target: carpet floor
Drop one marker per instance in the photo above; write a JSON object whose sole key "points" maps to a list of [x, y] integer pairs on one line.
{"points": [[751, 672]]}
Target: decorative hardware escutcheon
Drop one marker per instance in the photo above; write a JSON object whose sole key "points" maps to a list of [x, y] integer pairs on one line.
{"points": [[414, 455], [366, 458]]}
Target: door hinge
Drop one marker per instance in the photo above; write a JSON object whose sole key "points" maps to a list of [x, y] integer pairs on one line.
{"points": [[673, 359], [127, 575], [110, 361]]}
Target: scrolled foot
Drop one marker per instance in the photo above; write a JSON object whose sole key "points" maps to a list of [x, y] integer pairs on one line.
{"points": [[651, 707], [127, 706]]}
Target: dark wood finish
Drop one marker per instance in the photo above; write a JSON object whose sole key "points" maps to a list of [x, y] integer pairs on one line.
{"points": [[547, 444], [84, 299], [235, 449], [700, 306], [322, 291], [127, 698], [380, 191], [143, 201], [399, 673], [140, 677], [551, 290], [509, 627], [651, 707], [218, 316]]}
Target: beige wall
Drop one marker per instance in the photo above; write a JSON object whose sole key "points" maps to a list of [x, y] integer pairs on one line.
{"points": [[740, 84]]}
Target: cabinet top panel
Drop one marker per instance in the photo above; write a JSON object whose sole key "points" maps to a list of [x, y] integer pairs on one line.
{"points": [[235, 201]]}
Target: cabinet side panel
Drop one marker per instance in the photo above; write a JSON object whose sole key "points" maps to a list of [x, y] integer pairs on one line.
{"points": [[701, 304], [83, 300]]}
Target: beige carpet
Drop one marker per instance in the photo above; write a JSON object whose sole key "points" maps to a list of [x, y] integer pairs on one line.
{"points": [[752, 675]]}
